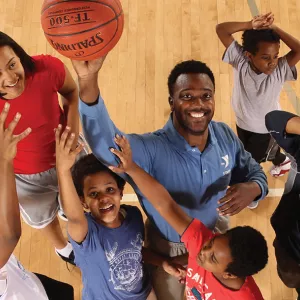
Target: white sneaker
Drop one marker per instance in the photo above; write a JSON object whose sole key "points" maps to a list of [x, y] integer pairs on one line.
{"points": [[62, 215], [282, 169], [253, 205]]}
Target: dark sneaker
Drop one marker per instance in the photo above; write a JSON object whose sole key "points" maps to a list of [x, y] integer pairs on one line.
{"points": [[70, 259]]}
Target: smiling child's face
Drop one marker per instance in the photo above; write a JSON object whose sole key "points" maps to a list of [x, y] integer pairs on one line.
{"points": [[102, 197]]}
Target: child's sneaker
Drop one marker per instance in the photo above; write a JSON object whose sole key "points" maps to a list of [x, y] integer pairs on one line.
{"points": [[253, 205], [67, 254], [70, 259], [277, 171], [62, 215]]}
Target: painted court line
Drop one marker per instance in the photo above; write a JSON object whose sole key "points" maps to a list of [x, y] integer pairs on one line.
{"points": [[132, 198]]}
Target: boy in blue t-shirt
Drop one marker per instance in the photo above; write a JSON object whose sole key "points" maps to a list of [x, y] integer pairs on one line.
{"points": [[108, 240]]}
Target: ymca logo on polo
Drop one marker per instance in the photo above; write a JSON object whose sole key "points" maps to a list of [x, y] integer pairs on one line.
{"points": [[226, 159]]}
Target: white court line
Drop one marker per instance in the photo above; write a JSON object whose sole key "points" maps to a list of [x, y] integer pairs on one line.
{"points": [[275, 192], [132, 198]]}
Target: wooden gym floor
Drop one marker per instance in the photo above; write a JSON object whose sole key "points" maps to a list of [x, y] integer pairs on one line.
{"points": [[157, 35]]}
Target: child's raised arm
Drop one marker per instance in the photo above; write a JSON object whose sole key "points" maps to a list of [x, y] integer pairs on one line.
{"points": [[152, 190], [293, 56], [10, 229], [65, 159], [227, 29]]}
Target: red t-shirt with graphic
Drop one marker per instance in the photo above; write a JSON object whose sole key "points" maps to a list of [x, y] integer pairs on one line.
{"points": [[40, 110], [201, 284]]}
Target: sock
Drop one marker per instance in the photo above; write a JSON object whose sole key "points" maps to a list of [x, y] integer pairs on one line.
{"points": [[65, 251]]}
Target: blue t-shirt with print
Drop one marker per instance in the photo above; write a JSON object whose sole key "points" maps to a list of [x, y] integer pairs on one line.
{"points": [[110, 259]]}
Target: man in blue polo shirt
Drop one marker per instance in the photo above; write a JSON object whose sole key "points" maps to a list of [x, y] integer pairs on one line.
{"points": [[196, 159]]}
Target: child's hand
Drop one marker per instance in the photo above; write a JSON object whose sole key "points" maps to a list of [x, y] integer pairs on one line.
{"points": [[124, 155], [65, 156], [263, 21], [9, 141], [175, 270]]}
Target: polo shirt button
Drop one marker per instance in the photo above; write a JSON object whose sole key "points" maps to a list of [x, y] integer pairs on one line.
{"points": [[204, 171], [194, 150]]}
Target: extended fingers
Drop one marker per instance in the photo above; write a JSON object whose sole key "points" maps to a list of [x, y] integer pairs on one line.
{"points": [[66, 139], [229, 195], [116, 169], [122, 142], [234, 210], [78, 149], [69, 142], [12, 125], [4, 114], [118, 153], [22, 135], [64, 136], [228, 202], [224, 207], [58, 134], [229, 208]]}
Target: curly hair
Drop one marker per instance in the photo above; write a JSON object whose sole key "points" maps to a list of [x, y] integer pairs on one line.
{"points": [[89, 165], [249, 251], [251, 38], [189, 67]]}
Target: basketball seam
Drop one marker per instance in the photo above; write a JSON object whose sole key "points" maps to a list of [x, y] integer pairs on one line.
{"points": [[86, 56], [63, 1], [117, 3], [87, 30]]}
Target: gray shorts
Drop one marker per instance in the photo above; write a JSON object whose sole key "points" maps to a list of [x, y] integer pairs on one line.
{"points": [[164, 285], [38, 195]]}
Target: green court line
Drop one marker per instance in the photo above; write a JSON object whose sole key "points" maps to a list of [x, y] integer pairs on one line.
{"points": [[287, 87]]}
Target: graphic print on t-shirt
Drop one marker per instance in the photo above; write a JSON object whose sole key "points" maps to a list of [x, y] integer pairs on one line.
{"points": [[125, 268], [194, 293], [24, 274]]}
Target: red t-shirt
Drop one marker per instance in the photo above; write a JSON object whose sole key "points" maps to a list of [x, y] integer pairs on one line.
{"points": [[201, 284], [40, 110]]}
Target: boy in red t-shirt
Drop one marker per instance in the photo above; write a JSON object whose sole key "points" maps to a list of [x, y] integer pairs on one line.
{"points": [[219, 266]]}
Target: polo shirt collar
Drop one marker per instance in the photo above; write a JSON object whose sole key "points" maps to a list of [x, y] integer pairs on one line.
{"points": [[179, 141]]}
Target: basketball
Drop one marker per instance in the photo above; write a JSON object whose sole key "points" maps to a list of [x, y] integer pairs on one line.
{"points": [[82, 30]]}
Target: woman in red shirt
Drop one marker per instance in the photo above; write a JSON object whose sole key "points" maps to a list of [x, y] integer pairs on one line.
{"points": [[31, 85]]}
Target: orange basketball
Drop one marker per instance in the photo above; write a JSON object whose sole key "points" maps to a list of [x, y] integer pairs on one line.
{"points": [[82, 30]]}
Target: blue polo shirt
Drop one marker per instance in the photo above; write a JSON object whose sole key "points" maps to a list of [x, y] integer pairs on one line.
{"points": [[196, 180]]}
